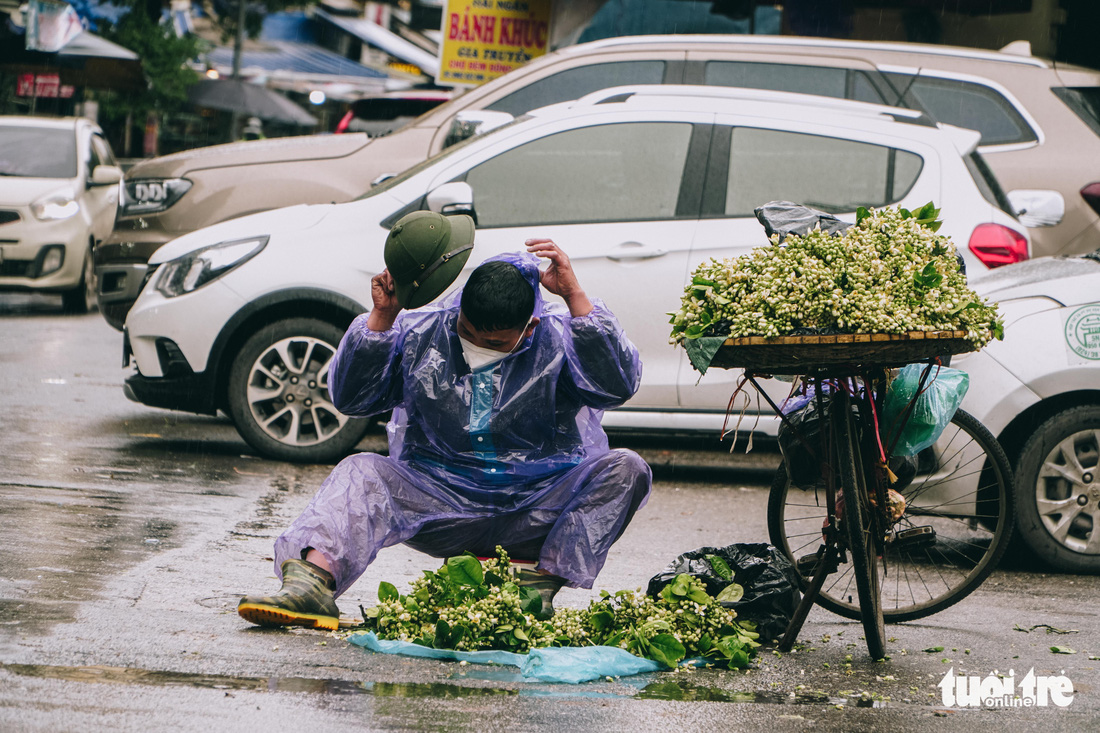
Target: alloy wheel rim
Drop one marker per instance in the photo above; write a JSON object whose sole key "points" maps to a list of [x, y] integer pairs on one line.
{"points": [[288, 395], [1067, 492]]}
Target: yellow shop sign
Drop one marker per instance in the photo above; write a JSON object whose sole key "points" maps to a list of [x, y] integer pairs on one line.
{"points": [[483, 39]]}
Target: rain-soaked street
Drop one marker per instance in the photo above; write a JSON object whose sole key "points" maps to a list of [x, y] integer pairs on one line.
{"points": [[130, 533]]}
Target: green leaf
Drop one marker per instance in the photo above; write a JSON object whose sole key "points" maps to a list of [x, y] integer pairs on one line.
{"points": [[601, 620], [520, 634], [465, 570], [1063, 650], [530, 601], [665, 649], [720, 566], [861, 214], [739, 659], [731, 593], [699, 595], [679, 585], [442, 635], [387, 592], [934, 649]]}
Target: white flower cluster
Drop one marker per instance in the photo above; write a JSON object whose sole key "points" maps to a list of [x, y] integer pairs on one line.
{"points": [[889, 273], [488, 614]]}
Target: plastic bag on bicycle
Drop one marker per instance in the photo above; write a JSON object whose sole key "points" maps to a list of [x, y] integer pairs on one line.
{"points": [[803, 423], [932, 408]]}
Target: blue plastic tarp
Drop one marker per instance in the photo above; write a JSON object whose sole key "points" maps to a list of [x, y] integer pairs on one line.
{"points": [[553, 664]]}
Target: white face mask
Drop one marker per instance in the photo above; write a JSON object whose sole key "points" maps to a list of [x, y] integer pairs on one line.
{"points": [[479, 357]]}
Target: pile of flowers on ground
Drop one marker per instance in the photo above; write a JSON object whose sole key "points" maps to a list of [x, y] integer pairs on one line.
{"points": [[472, 605], [889, 273]]}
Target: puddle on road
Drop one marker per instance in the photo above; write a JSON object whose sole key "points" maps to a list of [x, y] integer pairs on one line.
{"points": [[665, 690], [157, 678]]}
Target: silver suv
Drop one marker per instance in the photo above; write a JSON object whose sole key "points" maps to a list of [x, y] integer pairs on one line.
{"points": [[1040, 126]]}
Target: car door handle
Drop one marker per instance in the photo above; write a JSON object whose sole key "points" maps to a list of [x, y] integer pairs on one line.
{"points": [[636, 251]]}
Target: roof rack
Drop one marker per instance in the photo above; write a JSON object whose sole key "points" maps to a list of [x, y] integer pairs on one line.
{"points": [[1009, 54], [617, 95]]}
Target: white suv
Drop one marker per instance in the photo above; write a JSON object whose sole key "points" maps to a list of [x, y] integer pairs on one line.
{"points": [[59, 190], [638, 184]]}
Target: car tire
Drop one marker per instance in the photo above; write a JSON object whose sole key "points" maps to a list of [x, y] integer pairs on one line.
{"points": [[82, 298], [278, 394], [1058, 493]]}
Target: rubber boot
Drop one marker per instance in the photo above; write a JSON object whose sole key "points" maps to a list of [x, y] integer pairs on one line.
{"points": [[306, 599], [547, 585]]}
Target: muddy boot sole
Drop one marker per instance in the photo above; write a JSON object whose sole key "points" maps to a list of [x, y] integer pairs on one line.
{"points": [[264, 615]]}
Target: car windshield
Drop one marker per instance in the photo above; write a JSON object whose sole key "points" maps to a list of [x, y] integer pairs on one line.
{"points": [[410, 172], [36, 152]]}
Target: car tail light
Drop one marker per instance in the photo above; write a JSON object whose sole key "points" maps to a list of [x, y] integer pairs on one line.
{"points": [[1091, 194], [996, 245]]}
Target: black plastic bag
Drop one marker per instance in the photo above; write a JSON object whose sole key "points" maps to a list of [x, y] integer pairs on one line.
{"points": [[768, 578], [802, 426], [787, 217]]}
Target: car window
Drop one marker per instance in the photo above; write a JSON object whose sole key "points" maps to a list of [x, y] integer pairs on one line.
{"points": [[971, 105], [36, 152], [830, 174], [623, 172], [987, 183], [103, 151], [575, 83], [93, 157], [1084, 101], [820, 80]]}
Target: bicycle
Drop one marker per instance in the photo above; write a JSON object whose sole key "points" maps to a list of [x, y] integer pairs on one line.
{"points": [[911, 543]]}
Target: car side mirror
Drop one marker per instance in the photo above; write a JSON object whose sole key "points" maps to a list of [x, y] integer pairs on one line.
{"points": [[1037, 208], [106, 175], [474, 122], [452, 198]]}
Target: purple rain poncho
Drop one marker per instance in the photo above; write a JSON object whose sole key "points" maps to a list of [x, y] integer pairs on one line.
{"points": [[512, 454]]}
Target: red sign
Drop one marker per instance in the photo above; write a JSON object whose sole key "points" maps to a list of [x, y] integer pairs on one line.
{"points": [[42, 85]]}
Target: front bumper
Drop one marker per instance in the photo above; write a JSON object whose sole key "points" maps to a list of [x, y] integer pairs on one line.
{"points": [[122, 269], [23, 246], [190, 393]]}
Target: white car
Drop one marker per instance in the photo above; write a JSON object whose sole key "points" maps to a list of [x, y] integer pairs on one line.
{"points": [[59, 191], [638, 184], [1038, 391]]}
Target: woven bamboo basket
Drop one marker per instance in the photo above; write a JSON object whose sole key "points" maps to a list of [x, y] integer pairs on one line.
{"points": [[844, 351]]}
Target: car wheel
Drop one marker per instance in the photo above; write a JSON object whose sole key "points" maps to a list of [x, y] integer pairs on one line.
{"points": [[278, 394], [82, 298], [1058, 490]]}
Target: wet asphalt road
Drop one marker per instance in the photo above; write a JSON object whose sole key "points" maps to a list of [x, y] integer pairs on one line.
{"points": [[128, 535]]}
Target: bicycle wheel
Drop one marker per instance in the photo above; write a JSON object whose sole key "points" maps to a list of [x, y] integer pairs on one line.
{"points": [[859, 523], [960, 506]]}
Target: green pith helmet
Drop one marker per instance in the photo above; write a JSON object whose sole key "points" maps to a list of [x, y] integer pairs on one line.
{"points": [[424, 253]]}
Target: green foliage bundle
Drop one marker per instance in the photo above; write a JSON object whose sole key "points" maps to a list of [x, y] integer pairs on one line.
{"points": [[471, 605], [890, 273]]}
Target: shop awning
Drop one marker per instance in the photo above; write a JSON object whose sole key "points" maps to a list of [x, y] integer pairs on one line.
{"points": [[87, 60], [295, 59], [375, 35]]}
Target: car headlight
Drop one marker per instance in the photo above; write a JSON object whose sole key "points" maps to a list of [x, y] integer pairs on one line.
{"points": [[56, 206], [195, 269], [151, 195]]}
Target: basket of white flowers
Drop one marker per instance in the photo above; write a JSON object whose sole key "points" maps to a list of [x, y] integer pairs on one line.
{"points": [[885, 292], [821, 352]]}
